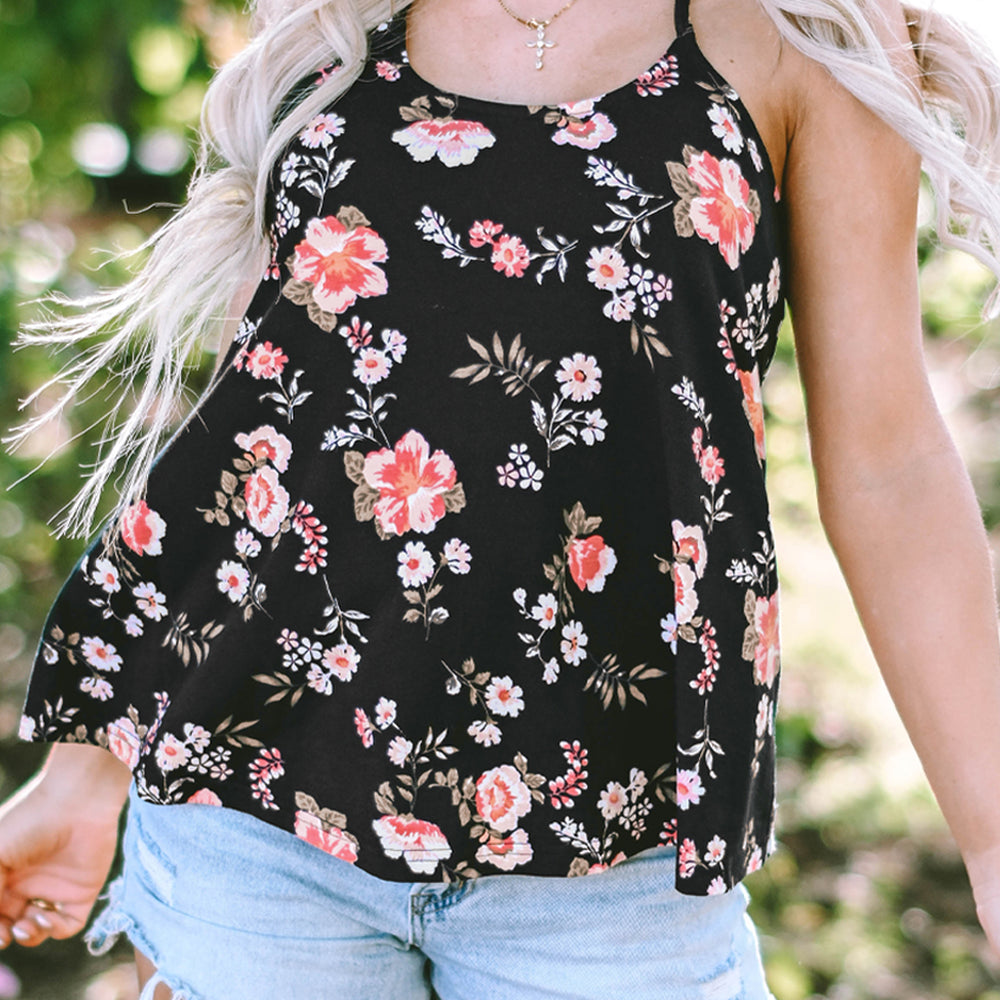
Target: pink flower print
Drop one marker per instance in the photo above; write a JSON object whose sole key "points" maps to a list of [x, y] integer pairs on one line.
{"points": [[687, 857], [504, 697], [395, 344], [502, 797], [356, 334], [268, 444], [234, 579], [598, 867], [508, 475], [574, 643], [416, 565], [486, 734], [608, 270], [342, 661], [716, 851], [204, 797], [753, 407], [105, 576], [581, 127], [100, 654], [411, 482], [150, 601], [364, 727], [663, 288], [579, 378], [340, 263], [506, 854], [454, 143], [288, 639], [97, 687], [689, 789], [689, 545], [722, 214], [389, 71], [266, 361], [545, 612], [385, 713], [511, 256], [712, 466], [123, 741], [247, 544], [590, 562], [421, 844], [717, 886], [266, 500], [171, 753], [668, 835], [685, 596], [321, 131], [766, 656], [658, 78], [612, 800], [326, 837], [593, 430], [483, 232], [398, 750], [133, 625], [725, 128], [143, 529], [457, 554], [756, 860], [371, 366], [620, 307]]}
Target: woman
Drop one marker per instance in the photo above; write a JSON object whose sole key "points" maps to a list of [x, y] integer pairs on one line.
{"points": [[472, 642]]}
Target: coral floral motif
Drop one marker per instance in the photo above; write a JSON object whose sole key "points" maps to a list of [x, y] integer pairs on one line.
{"points": [[502, 797], [658, 78], [413, 485], [268, 444], [421, 844], [265, 361], [455, 142], [753, 407], [204, 797], [761, 643], [124, 742], [324, 828], [335, 265], [143, 529], [266, 501], [581, 125], [716, 202], [508, 853], [590, 561]]}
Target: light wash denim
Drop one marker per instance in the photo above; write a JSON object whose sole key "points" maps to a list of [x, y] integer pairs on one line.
{"points": [[229, 907]]}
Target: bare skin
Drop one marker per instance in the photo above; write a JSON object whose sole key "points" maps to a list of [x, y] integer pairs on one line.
{"points": [[887, 470]]}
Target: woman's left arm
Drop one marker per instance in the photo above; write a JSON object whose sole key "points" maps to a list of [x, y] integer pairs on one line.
{"points": [[895, 499]]}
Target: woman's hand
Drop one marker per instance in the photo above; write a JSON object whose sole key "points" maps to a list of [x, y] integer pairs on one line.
{"points": [[58, 835]]}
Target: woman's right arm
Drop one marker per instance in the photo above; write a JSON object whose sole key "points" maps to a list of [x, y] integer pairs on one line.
{"points": [[58, 835]]}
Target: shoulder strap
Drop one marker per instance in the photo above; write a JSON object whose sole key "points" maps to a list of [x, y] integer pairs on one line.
{"points": [[682, 17]]}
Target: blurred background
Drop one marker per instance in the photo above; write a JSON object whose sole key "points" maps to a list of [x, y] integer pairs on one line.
{"points": [[867, 897]]}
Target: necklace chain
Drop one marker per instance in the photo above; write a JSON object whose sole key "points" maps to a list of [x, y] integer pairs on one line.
{"points": [[538, 26]]}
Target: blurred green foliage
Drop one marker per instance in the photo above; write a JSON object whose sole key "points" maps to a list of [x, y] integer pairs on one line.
{"points": [[867, 898]]}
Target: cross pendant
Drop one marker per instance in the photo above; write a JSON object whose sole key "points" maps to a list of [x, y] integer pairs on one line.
{"points": [[541, 43]]}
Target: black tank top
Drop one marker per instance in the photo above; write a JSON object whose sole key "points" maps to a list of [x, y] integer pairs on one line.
{"points": [[464, 566]]}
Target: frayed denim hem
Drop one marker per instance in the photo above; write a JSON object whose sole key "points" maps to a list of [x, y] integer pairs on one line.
{"points": [[111, 923]]}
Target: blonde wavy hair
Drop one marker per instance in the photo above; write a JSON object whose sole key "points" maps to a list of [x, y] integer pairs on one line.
{"points": [[153, 326]]}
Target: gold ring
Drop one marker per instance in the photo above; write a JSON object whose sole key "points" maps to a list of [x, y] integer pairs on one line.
{"points": [[45, 904]]}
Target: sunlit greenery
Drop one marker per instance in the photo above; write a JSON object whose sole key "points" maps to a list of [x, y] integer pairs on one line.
{"points": [[867, 898]]}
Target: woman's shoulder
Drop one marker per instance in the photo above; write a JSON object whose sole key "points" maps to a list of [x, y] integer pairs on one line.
{"points": [[778, 82]]}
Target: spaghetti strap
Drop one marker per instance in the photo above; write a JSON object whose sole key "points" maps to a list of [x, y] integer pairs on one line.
{"points": [[682, 18]]}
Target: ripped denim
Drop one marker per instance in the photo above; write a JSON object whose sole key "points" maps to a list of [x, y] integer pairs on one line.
{"points": [[229, 907]]}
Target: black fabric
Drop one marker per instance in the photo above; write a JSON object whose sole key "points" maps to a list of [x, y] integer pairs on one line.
{"points": [[549, 641]]}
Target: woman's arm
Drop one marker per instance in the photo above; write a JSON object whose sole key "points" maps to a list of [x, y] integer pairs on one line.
{"points": [[895, 499]]}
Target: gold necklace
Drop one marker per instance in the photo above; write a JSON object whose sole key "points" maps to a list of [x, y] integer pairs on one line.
{"points": [[538, 26]]}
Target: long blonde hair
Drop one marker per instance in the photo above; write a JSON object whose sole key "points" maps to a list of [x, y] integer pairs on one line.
{"points": [[156, 323]]}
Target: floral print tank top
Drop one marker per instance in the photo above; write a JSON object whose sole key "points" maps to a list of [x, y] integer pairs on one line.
{"points": [[464, 564]]}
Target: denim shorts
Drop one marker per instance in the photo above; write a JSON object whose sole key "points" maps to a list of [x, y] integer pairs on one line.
{"points": [[229, 907]]}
